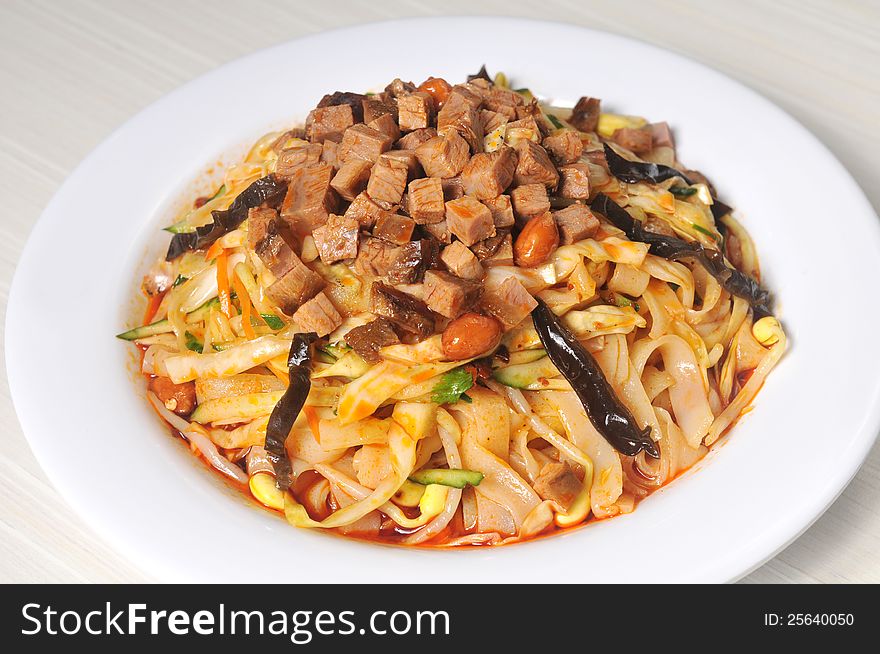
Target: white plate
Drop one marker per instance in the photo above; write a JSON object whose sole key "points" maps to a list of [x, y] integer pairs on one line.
{"points": [[110, 458]]}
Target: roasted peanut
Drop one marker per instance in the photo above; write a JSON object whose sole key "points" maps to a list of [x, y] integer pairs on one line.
{"points": [[469, 335], [536, 241], [179, 398], [438, 88]]}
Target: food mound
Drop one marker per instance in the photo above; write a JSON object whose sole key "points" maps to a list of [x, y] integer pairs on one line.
{"points": [[456, 315]]}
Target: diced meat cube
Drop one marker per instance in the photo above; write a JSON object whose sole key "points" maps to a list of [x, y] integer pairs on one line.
{"points": [[495, 251], [529, 200], [413, 259], [639, 140], [262, 224], [425, 201], [352, 178], [576, 222], [439, 231], [661, 135], [488, 174], [534, 166], [353, 100], [406, 312], [502, 210], [469, 219], [510, 302], [368, 339], [394, 228], [479, 86], [387, 181], [467, 94], [564, 146], [443, 156], [585, 115], [375, 106], [375, 256], [415, 110], [452, 188], [574, 181], [492, 120], [504, 102], [295, 287], [338, 239], [449, 295], [461, 262], [398, 87], [409, 159], [533, 110], [318, 315], [529, 127], [365, 211], [557, 482], [309, 200], [329, 123], [292, 159], [362, 142], [387, 125], [329, 152], [459, 113], [415, 138], [264, 238]]}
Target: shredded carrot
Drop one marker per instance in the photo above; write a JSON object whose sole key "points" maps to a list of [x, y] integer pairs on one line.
{"points": [[153, 307], [223, 285], [280, 375], [214, 251], [244, 302], [314, 421]]}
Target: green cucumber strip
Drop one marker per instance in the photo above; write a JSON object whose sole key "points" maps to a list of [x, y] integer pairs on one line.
{"points": [[447, 477]]}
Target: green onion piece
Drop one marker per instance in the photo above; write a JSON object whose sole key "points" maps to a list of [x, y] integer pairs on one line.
{"points": [[705, 231], [624, 301], [447, 477], [556, 122], [180, 279], [192, 343], [272, 320], [682, 191]]}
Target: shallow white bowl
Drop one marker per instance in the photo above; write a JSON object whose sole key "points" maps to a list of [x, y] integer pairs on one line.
{"points": [[113, 461]]}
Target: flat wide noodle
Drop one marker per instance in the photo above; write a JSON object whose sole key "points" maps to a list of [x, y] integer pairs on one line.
{"points": [[689, 393]]}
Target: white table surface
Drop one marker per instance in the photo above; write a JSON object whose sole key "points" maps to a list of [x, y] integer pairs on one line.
{"points": [[71, 72]]}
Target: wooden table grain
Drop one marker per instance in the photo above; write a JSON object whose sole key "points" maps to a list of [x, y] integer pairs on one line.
{"points": [[70, 72]]}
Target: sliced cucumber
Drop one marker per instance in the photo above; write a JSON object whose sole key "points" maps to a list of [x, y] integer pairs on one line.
{"points": [[336, 350], [164, 326], [524, 356], [526, 375], [237, 407], [350, 365], [447, 477]]}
